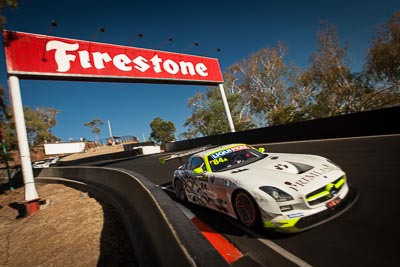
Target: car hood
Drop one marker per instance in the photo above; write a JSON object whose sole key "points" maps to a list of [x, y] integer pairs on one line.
{"points": [[291, 172]]}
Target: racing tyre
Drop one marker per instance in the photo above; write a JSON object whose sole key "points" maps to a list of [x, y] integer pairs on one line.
{"points": [[179, 187], [246, 209]]}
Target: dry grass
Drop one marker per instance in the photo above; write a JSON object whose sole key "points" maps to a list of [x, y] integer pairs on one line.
{"points": [[72, 229]]}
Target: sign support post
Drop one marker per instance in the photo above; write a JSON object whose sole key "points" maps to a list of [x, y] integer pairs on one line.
{"points": [[31, 196], [111, 135], [226, 106]]}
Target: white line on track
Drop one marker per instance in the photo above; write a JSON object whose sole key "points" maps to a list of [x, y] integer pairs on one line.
{"points": [[283, 252]]}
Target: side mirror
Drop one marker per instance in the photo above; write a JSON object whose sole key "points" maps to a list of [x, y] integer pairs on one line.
{"points": [[261, 150], [198, 170]]}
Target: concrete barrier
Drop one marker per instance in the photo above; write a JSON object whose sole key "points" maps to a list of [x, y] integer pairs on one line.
{"points": [[160, 233], [373, 122]]}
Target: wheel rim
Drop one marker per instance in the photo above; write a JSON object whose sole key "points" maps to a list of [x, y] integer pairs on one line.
{"points": [[245, 209], [179, 189]]}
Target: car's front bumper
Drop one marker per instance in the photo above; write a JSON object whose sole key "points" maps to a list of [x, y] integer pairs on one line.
{"points": [[302, 223]]}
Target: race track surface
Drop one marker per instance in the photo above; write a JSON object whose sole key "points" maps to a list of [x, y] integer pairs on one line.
{"points": [[365, 235]]}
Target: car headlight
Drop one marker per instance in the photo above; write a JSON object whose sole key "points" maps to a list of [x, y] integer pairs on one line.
{"points": [[276, 193]]}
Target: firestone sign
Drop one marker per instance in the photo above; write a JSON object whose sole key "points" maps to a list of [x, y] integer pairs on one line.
{"points": [[33, 56], [43, 57]]}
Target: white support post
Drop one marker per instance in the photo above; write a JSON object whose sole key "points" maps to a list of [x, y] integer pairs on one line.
{"points": [[111, 135], [31, 196], [226, 106]]}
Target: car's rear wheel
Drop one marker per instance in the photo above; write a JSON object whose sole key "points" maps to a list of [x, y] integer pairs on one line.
{"points": [[246, 209], [179, 187]]}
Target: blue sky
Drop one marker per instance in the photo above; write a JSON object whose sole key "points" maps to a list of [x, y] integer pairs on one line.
{"points": [[238, 29]]}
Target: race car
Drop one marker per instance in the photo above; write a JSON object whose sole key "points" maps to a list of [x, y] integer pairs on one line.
{"points": [[277, 191]]}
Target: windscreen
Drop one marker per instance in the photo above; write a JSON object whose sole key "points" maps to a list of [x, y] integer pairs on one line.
{"points": [[233, 157]]}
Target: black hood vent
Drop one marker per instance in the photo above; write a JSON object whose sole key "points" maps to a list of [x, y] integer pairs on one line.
{"points": [[302, 168]]}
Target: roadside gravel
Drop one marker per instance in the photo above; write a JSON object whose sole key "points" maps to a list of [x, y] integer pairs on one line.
{"points": [[72, 229]]}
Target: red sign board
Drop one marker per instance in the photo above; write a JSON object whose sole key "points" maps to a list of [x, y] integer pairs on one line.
{"points": [[46, 57]]}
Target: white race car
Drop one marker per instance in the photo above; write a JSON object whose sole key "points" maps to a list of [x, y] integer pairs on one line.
{"points": [[41, 164], [281, 192]]}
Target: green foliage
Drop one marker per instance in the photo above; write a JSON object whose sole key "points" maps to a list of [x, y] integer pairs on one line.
{"points": [[38, 124], [94, 127], [264, 90], [382, 68], [162, 131], [335, 90], [383, 58], [261, 90], [7, 128], [270, 87], [209, 116]]}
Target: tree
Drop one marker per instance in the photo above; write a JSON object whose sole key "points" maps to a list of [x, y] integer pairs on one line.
{"points": [[7, 133], [382, 67], [271, 88], [94, 127], [209, 116], [261, 90], [5, 4], [334, 90], [6, 127], [162, 131], [38, 126], [39, 123], [383, 58]]}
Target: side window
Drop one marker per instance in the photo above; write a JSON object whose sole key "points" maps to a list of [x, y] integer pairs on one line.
{"points": [[196, 162], [187, 165]]}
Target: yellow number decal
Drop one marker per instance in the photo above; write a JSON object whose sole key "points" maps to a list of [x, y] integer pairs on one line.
{"points": [[220, 160]]}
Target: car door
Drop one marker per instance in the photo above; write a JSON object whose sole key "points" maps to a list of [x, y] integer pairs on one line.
{"points": [[197, 181]]}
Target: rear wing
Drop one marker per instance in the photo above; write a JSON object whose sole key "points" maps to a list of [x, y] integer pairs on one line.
{"points": [[184, 153]]}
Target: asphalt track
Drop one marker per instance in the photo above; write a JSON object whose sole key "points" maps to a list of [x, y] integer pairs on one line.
{"points": [[366, 235]]}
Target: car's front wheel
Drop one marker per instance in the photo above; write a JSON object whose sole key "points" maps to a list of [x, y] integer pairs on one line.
{"points": [[246, 209], [179, 187]]}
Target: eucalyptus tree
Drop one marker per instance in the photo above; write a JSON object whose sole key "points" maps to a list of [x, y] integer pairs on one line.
{"points": [[162, 131], [94, 126], [382, 67], [39, 122]]}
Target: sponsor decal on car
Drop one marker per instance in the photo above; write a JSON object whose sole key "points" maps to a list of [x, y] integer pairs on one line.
{"points": [[310, 176], [221, 181], [227, 151], [296, 215]]}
